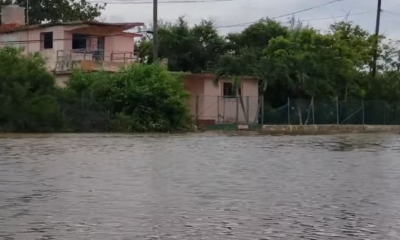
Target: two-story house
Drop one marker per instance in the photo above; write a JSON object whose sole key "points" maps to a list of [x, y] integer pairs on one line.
{"points": [[97, 46], [86, 45]]}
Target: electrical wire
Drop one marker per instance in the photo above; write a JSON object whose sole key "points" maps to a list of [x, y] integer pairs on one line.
{"points": [[333, 17], [280, 16], [162, 2], [139, 32], [391, 13]]}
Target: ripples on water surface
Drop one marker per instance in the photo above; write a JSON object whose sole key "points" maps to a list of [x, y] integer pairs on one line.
{"points": [[193, 187]]}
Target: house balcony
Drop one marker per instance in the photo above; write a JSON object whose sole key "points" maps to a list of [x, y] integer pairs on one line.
{"points": [[91, 60]]}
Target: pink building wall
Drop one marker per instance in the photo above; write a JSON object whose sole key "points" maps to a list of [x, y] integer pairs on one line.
{"points": [[209, 104], [62, 42], [121, 43], [30, 41], [122, 47]]}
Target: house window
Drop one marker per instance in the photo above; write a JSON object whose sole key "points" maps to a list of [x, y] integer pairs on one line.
{"points": [[228, 90], [80, 41], [46, 40]]}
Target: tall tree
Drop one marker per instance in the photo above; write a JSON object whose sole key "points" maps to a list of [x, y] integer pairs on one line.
{"points": [[41, 11], [188, 49]]}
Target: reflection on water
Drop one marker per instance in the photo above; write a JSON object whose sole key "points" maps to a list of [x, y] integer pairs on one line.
{"points": [[197, 187]]}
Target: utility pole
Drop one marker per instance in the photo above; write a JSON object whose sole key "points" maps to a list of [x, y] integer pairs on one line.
{"points": [[155, 30], [378, 23], [27, 12]]}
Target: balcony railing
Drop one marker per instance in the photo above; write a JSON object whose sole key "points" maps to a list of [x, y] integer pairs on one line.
{"points": [[67, 60], [96, 55]]}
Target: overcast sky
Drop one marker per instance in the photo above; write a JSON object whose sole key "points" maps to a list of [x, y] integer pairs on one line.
{"points": [[239, 11]]}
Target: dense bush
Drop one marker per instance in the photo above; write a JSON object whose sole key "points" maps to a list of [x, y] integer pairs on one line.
{"points": [[138, 98], [27, 100]]}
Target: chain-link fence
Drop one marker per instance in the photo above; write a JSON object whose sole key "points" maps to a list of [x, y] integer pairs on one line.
{"points": [[209, 110]]}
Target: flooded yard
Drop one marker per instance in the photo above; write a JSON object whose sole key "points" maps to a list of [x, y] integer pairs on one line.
{"points": [[199, 186]]}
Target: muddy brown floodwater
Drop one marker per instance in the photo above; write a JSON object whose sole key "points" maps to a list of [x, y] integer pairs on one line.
{"points": [[199, 186]]}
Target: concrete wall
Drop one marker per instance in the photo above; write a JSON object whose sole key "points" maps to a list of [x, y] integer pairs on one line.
{"points": [[224, 110], [120, 43], [328, 129], [212, 106], [30, 41], [62, 40], [195, 86]]}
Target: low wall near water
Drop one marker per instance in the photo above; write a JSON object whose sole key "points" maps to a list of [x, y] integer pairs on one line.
{"points": [[323, 129], [312, 129]]}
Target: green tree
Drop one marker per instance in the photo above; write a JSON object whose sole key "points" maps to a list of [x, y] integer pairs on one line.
{"points": [[58, 10], [357, 46], [235, 67], [27, 94], [255, 37], [188, 49]]}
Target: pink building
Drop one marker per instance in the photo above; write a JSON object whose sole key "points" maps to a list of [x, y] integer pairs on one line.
{"points": [[97, 46], [217, 104], [88, 45]]}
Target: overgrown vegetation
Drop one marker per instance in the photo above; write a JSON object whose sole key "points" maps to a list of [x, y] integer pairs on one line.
{"points": [[139, 98], [292, 60]]}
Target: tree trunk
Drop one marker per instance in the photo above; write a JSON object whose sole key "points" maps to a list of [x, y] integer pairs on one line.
{"points": [[259, 110], [309, 110], [299, 112], [245, 113], [300, 116]]}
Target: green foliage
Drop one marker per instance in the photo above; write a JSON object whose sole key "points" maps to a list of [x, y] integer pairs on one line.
{"points": [[138, 98], [291, 61], [188, 49], [58, 10], [294, 61], [27, 100]]}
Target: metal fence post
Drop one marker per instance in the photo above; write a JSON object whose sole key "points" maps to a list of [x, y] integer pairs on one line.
{"points": [[247, 110], [262, 110], [197, 109], [363, 113], [384, 113], [313, 112], [337, 110], [237, 109], [288, 103], [217, 109]]}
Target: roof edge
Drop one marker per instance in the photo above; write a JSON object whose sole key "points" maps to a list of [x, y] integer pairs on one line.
{"points": [[127, 25]]}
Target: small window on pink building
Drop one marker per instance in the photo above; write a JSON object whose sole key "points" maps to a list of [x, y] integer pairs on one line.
{"points": [[229, 91], [46, 40]]}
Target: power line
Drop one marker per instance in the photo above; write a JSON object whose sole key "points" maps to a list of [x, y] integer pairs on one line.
{"points": [[391, 13], [378, 23], [155, 30], [283, 15], [163, 2], [333, 17]]}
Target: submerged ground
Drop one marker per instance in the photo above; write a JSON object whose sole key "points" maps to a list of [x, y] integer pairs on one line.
{"points": [[199, 186]]}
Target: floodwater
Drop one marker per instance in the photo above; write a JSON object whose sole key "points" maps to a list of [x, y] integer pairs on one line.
{"points": [[199, 186]]}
